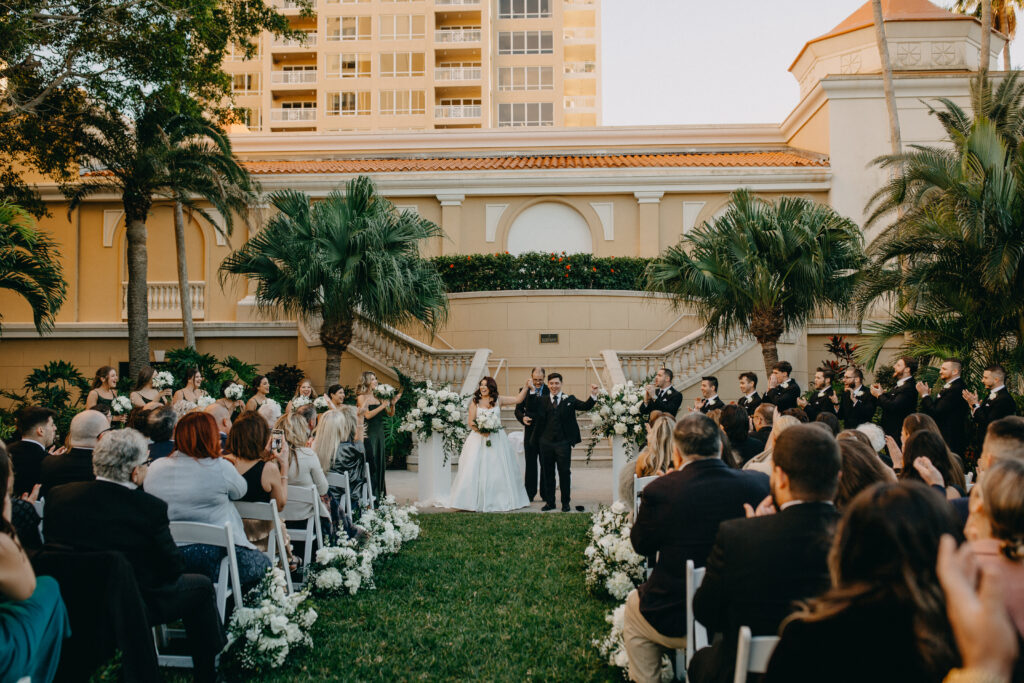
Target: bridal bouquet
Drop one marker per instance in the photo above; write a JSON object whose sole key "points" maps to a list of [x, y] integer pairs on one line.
{"points": [[163, 380], [321, 404], [121, 405], [384, 392], [617, 413], [205, 401], [300, 401], [234, 392], [611, 563], [438, 411], [342, 569], [488, 423]]}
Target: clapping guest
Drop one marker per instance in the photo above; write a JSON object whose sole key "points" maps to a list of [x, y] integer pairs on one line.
{"points": [[144, 392], [822, 400], [885, 597], [76, 464], [192, 391], [857, 405], [262, 386], [861, 467], [735, 423], [661, 396], [948, 408], [762, 462], [997, 405], [654, 460], [783, 391], [104, 391], [263, 470], [761, 421], [38, 431], [899, 401]]}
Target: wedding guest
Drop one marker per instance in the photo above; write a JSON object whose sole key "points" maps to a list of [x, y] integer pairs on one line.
{"points": [[661, 395], [997, 405], [899, 401], [821, 401], [303, 390], [709, 396], [760, 566], [762, 462], [677, 521], [799, 414], [861, 467], [33, 620], [113, 514], [857, 435], [654, 460], [876, 438], [303, 466], [917, 422], [103, 392], [160, 429], [263, 470], [857, 405], [925, 444], [38, 432], [222, 418], [764, 417], [370, 409], [193, 389], [76, 463], [262, 386], [830, 420], [144, 392], [750, 399], [271, 412], [199, 486], [734, 422], [885, 597], [948, 408], [782, 390], [338, 451]]}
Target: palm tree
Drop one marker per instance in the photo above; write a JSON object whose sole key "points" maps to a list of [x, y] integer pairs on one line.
{"points": [[887, 87], [1004, 19], [350, 254], [29, 265], [763, 267]]}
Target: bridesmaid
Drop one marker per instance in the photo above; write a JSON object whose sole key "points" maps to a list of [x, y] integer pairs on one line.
{"points": [[262, 385], [104, 391], [305, 389], [335, 396], [369, 409], [192, 391], [144, 391]]}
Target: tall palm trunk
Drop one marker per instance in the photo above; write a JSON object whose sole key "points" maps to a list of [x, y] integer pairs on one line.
{"points": [[770, 354], [138, 305], [986, 36], [335, 335], [188, 328], [890, 96]]}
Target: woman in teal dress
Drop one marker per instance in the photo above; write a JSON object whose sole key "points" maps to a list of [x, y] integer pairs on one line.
{"points": [[370, 411]]}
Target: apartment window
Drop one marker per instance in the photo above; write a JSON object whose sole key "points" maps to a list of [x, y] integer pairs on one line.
{"points": [[348, 65], [402, 26], [348, 103], [250, 117], [245, 84], [526, 78], [402, 102], [514, 114], [525, 43], [298, 105], [524, 9], [460, 102], [299, 67], [348, 28], [398, 64]]}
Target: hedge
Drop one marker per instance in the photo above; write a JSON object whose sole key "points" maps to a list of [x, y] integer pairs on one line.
{"points": [[534, 270]]}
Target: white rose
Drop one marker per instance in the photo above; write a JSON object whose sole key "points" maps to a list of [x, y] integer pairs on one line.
{"points": [[414, 413], [620, 428], [421, 403], [637, 428], [634, 409], [437, 424], [618, 507], [605, 411], [618, 408]]}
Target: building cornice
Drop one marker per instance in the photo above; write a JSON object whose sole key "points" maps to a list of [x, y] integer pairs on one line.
{"points": [[156, 330], [925, 86]]}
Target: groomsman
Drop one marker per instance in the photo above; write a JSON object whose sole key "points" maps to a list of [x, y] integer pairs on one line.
{"points": [[710, 400], [526, 413], [782, 391], [948, 409], [999, 403], [661, 396], [822, 400], [748, 387], [857, 405], [899, 401]]}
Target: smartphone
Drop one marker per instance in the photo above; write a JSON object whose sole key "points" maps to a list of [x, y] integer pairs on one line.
{"points": [[276, 439]]}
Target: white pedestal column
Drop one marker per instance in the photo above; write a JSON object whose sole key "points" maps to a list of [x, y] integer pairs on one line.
{"points": [[434, 477], [618, 462]]}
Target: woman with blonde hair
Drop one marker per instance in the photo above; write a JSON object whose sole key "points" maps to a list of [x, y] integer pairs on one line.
{"points": [[368, 410], [763, 462], [303, 466], [304, 390], [338, 450], [654, 460]]}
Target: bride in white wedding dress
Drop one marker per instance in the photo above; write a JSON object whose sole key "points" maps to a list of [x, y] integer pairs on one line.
{"points": [[489, 478]]}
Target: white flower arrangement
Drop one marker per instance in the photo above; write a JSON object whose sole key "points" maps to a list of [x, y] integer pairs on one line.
{"points": [[388, 526], [163, 380], [121, 405], [261, 636], [612, 565], [342, 569], [234, 391], [439, 411], [300, 401], [613, 646], [205, 401], [488, 423], [385, 392], [321, 404], [617, 413]]}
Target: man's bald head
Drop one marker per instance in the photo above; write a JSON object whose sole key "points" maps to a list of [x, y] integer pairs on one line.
{"points": [[86, 428], [222, 416]]}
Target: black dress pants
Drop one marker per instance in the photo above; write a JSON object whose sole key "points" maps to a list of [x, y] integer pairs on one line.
{"points": [[531, 448], [192, 599], [555, 454]]}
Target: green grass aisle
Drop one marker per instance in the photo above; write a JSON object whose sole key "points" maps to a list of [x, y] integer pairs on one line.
{"points": [[477, 597]]}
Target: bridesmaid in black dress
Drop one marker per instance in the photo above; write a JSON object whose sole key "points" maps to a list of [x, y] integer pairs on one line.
{"points": [[369, 410], [104, 391]]}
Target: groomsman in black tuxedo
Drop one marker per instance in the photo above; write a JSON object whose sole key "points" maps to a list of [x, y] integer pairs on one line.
{"points": [[783, 391], [35, 425], [899, 401], [559, 432], [661, 396], [857, 405], [999, 403], [822, 399], [948, 409], [710, 400], [748, 387], [526, 413]]}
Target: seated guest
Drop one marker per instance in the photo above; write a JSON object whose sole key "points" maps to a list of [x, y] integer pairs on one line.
{"points": [[735, 423], [137, 420], [798, 414], [830, 420], [877, 438], [271, 412], [263, 471], [924, 444], [160, 430], [76, 464], [856, 435], [861, 468], [762, 462], [303, 466], [884, 618], [678, 519], [222, 417], [113, 514], [916, 422], [338, 451], [198, 486], [759, 567], [33, 620], [762, 420], [654, 460], [37, 431]]}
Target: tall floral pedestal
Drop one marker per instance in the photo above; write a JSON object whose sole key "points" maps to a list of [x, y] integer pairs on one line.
{"points": [[618, 462], [434, 477]]}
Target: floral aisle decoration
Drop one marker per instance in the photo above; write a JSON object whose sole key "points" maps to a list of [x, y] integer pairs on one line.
{"points": [[384, 392], [441, 411], [321, 404], [262, 635], [613, 646], [388, 526], [612, 566], [487, 424], [617, 413], [342, 569]]}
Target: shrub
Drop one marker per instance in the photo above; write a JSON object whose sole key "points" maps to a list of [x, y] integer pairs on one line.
{"points": [[58, 385], [283, 380], [534, 270]]}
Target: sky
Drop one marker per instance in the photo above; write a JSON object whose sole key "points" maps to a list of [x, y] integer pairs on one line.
{"points": [[685, 62]]}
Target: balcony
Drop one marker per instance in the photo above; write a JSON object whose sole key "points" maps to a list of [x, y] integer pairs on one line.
{"points": [[310, 41], [289, 6], [576, 69], [458, 111], [579, 35], [457, 73], [164, 300], [306, 76], [456, 2], [579, 4], [307, 114], [457, 35], [580, 103]]}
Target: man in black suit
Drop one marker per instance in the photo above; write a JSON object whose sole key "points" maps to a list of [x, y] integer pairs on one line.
{"points": [[899, 401], [750, 399], [160, 429], [678, 519], [760, 566], [948, 409], [559, 432], [857, 405], [526, 413], [661, 396], [35, 425], [76, 464], [112, 513], [763, 419], [709, 396], [783, 391], [821, 401], [998, 404]]}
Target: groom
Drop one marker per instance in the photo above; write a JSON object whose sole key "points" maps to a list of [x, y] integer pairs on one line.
{"points": [[559, 432]]}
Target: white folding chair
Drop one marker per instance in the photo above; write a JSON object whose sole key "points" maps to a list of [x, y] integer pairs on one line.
{"points": [[309, 499], [639, 483], [752, 654], [969, 477], [368, 498], [267, 512], [696, 634], [340, 480]]}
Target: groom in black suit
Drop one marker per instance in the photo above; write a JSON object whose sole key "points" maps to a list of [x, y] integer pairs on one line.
{"points": [[559, 432], [526, 413]]}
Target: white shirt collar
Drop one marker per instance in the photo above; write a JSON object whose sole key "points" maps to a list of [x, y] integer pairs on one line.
{"points": [[751, 395], [709, 400], [948, 384], [992, 394], [35, 442], [126, 484], [857, 391], [903, 381], [822, 392], [784, 384], [799, 502]]}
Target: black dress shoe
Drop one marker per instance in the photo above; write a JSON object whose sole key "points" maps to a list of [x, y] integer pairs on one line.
{"points": [[565, 508], [547, 507]]}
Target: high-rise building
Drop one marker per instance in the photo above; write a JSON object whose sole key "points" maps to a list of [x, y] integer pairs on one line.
{"points": [[388, 65]]}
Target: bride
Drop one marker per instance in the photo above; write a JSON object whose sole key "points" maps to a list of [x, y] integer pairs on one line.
{"points": [[489, 479]]}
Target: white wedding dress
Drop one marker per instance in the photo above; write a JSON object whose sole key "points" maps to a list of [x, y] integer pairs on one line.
{"points": [[489, 478]]}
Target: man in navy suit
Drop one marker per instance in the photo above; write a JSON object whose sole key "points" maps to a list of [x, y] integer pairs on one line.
{"points": [[559, 432], [662, 396]]}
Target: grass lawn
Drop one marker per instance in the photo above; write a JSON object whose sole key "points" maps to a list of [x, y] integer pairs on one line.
{"points": [[488, 597]]}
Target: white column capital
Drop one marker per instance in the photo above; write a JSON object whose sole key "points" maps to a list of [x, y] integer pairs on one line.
{"points": [[648, 196], [451, 199]]}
